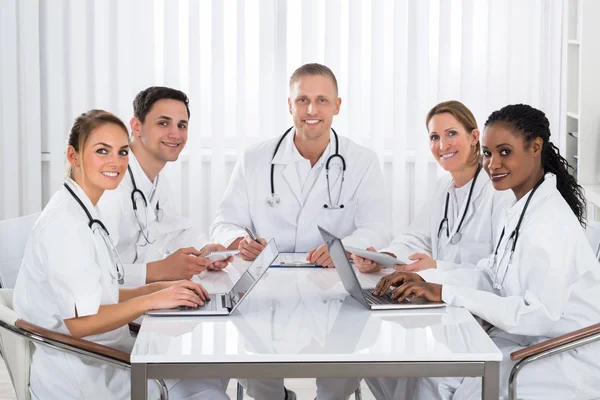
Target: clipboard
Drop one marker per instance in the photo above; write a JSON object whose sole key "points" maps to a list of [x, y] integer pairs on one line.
{"points": [[293, 260]]}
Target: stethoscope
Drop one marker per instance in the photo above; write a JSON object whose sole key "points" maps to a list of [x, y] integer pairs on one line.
{"points": [[96, 224], [274, 200], [457, 235], [514, 236], [142, 222]]}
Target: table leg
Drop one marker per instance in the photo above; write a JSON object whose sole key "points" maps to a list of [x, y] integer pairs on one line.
{"points": [[139, 382], [491, 381]]}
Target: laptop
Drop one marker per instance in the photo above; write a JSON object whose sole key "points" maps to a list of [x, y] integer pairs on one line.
{"points": [[365, 295], [226, 303]]}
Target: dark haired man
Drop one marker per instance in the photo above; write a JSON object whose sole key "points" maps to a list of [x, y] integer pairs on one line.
{"points": [[141, 211]]}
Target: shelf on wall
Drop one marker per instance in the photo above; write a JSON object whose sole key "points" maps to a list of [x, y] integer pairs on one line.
{"points": [[574, 42], [572, 114], [592, 194]]}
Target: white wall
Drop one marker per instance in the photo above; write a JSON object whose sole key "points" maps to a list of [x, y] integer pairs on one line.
{"points": [[394, 60]]}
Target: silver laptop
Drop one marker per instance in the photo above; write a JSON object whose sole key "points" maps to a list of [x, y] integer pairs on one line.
{"points": [[226, 303], [365, 295]]}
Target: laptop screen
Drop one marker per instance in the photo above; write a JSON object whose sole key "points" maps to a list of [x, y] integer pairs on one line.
{"points": [[343, 266], [253, 274]]}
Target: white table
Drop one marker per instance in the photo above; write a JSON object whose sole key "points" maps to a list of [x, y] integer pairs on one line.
{"points": [[300, 323]]}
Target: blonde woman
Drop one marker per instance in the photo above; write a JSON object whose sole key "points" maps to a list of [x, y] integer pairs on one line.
{"points": [[71, 276]]}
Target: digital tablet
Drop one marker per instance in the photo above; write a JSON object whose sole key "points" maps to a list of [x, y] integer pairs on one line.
{"points": [[221, 255], [380, 258]]}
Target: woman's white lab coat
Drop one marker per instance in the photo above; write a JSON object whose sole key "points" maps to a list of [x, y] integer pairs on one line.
{"points": [[65, 273], [361, 223], [551, 288], [484, 213]]}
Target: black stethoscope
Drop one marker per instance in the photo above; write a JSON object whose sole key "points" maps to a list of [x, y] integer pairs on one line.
{"points": [[96, 224], [457, 235], [142, 221], [274, 200], [514, 236]]}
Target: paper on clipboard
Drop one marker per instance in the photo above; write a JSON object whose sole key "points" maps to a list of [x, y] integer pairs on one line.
{"points": [[292, 260]]}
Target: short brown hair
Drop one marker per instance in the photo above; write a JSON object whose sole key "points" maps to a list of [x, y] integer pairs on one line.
{"points": [[86, 123], [462, 114], [314, 69], [144, 101]]}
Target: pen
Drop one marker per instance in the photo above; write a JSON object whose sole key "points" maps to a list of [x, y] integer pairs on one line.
{"points": [[252, 236], [248, 231]]}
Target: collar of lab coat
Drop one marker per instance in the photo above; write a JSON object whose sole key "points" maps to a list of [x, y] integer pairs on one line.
{"points": [[320, 162], [83, 197], [141, 179], [544, 190], [285, 157], [482, 180]]}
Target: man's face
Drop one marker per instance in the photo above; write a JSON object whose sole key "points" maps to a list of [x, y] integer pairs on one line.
{"points": [[164, 132], [313, 102]]}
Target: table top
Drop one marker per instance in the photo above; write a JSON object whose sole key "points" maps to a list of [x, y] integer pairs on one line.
{"points": [[305, 315]]}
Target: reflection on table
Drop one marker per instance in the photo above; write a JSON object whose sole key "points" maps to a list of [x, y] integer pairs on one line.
{"points": [[306, 315]]}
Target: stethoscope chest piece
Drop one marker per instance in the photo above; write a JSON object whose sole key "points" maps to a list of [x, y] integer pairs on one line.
{"points": [[273, 200], [456, 238]]}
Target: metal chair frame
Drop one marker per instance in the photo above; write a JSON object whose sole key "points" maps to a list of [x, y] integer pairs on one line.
{"points": [[512, 380], [53, 344]]}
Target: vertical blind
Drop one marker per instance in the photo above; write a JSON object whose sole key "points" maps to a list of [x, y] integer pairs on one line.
{"points": [[394, 60]]}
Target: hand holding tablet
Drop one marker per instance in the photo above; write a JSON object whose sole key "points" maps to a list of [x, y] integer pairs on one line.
{"points": [[221, 255], [382, 259]]}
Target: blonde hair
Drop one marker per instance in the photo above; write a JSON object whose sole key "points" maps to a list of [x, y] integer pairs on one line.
{"points": [[462, 114], [313, 69]]}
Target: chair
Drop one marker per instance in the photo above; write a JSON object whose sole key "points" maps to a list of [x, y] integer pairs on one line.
{"points": [[16, 336], [562, 343], [13, 237], [547, 349]]}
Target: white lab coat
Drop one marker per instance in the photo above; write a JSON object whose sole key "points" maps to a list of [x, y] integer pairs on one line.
{"points": [[293, 224], [478, 228], [67, 269], [171, 233], [551, 288]]}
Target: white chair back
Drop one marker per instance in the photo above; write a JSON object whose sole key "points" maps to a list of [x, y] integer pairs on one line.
{"points": [[593, 234], [16, 350], [13, 238]]}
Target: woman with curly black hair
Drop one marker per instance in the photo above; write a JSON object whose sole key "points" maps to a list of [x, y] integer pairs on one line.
{"points": [[541, 281]]}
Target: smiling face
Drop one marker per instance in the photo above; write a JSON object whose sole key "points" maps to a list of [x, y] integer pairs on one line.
{"points": [[510, 162], [164, 132], [102, 163], [450, 144], [313, 102]]}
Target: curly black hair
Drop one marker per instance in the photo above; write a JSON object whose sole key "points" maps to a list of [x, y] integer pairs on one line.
{"points": [[532, 123]]}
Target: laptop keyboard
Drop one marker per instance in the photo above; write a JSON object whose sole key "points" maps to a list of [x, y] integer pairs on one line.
{"points": [[385, 299], [210, 306]]}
